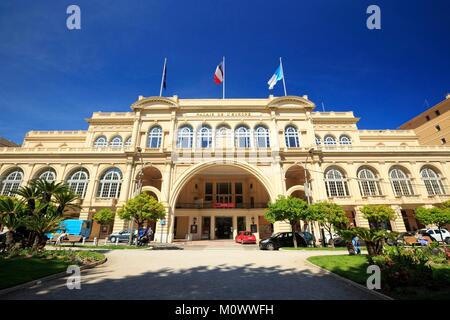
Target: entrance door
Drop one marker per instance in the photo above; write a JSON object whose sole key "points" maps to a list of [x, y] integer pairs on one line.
{"points": [[224, 227], [206, 228], [181, 227]]}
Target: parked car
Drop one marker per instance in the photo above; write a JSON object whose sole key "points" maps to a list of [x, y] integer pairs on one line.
{"points": [[337, 240], [282, 239], [123, 236], [245, 237], [437, 234]]}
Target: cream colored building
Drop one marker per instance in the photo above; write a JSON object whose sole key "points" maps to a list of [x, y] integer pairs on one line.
{"points": [[215, 164], [433, 125]]}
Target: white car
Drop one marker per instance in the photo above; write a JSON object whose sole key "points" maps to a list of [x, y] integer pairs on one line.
{"points": [[437, 234]]}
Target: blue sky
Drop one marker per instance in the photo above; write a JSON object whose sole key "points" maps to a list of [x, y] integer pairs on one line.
{"points": [[52, 78]]}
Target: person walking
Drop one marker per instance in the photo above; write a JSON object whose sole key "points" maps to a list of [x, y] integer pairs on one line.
{"points": [[356, 244]]}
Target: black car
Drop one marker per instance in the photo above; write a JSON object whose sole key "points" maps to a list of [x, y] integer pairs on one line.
{"points": [[282, 239]]}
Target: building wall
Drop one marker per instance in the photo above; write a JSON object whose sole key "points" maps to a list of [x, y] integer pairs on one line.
{"points": [[433, 125], [170, 172]]}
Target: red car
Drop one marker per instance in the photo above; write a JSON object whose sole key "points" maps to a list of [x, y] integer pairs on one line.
{"points": [[245, 237]]}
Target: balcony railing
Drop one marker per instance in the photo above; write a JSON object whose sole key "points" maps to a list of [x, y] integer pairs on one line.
{"points": [[229, 205]]}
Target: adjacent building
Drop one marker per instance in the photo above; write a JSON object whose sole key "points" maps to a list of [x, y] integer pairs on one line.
{"points": [[7, 143], [433, 125], [216, 163]]}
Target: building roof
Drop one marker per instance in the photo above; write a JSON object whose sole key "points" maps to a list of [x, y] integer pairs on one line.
{"points": [[7, 143]]}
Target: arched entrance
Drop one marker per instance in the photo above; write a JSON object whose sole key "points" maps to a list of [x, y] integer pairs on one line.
{"points": [[216, 201]]}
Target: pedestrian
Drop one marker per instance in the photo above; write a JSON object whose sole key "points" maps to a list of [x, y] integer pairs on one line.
{"points": [[356, 244]]}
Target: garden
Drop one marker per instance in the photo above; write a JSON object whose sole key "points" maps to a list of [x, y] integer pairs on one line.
{"points": [[36, 211], [407, 272]]}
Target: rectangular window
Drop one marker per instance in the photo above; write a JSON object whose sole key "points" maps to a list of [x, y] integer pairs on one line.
{"points": [[428, 118], [437, 112], [443, 141], [438, 128]]}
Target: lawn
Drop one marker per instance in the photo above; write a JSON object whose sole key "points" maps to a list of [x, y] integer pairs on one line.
{"points": [[24, 268], [105, 247], [350, 267], [320, 248], [354, 268]]}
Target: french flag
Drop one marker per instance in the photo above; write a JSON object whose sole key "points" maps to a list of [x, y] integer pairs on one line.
{"points": [[218, 75]]}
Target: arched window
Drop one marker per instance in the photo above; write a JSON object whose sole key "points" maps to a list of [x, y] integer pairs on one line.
{"points": [[11, 183], [329, 141], [185, 136], [368, 183], [116, 142], [155, 137], [48, 175], [318, 140], [101, 142], [432, 181], [401, 184], [336, 183], [291, 137], [78, 182], [242, 137], [205, 137], [345, 140], [224, 138], [110, 184], [262, 139], [128, 142]]}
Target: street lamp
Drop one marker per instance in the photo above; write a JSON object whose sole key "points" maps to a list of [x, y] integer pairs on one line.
{"points": [[307, 189], [137, 192]]}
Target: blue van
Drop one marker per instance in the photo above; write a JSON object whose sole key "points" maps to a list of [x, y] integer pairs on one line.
{"points": [[76, 227]]}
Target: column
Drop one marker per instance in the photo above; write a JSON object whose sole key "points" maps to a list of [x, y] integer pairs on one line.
{"points": [[213, 228], [234, 226], [398, 225], [120, 224], [353, 183], [359, 218]]}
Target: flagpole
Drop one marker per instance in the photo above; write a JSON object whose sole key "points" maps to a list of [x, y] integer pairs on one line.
{"points": [[223, 84], [284, 83], [162, 77]]}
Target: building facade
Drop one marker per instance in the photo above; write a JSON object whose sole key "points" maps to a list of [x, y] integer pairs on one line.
{"points": [[216, 163], [433, 125]]}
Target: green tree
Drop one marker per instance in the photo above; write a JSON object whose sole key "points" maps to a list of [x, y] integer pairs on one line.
{"points": [[288, 208], [43, 223], [378, 215], [330, 216], [37, 209], [104, 216], [374, 237], [142, 208], [12, 214], [439, 216]]}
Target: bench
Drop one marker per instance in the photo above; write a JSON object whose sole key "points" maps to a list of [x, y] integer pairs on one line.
{"points": [[67, 239], [413, 241]]}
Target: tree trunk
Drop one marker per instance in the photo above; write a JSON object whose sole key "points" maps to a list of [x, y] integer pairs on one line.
{"points": [[140, 224], [331, 238], [294, 238], [440, 232], [9, 239], [37, 241]]}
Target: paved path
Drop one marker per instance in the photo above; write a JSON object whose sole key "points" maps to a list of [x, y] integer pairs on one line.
{"points": [[201, 273]]}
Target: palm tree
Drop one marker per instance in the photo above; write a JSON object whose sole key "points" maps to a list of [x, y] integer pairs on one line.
{"points": [[43, 206], [66, 199], [41, 224], [11, 216]]}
